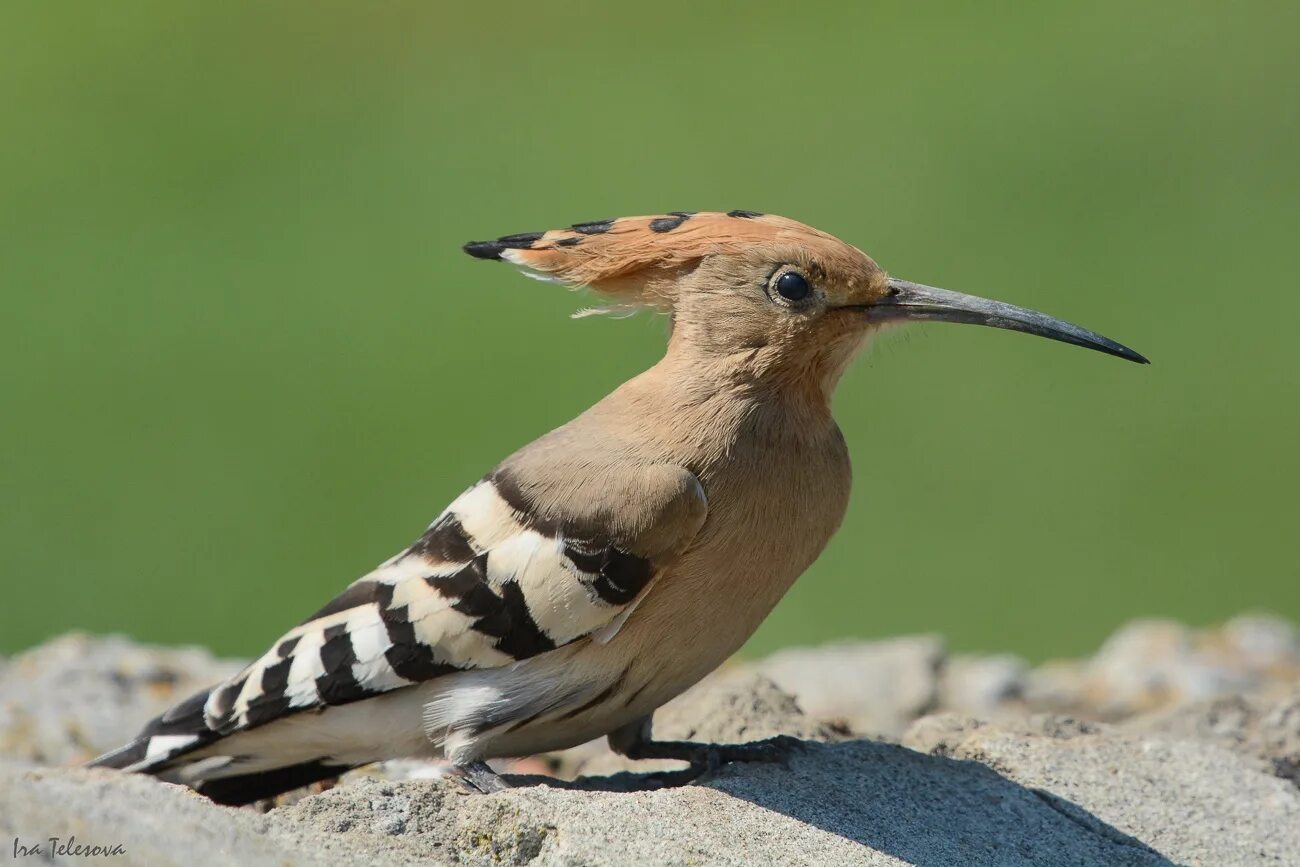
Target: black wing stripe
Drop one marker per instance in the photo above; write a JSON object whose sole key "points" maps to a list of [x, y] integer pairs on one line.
{"points": [[468, 588], [338, 685], [265, 709], [513, 626], [221, 703], [285, 648], [275, 678], [504, 617], [445, 542], [620, 576], [408, 656]]}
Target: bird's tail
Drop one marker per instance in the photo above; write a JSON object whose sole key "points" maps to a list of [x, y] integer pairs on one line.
{"points": [[174, 747], [165, 740]]}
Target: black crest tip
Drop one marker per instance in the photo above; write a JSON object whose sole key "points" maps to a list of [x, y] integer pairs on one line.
{"points": [[484, 249]]}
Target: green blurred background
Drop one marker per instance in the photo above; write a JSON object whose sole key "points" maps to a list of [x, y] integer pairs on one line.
{"points": [[242, 359]]}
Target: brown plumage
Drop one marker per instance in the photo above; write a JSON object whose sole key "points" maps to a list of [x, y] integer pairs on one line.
{"points": [[604, 568]]}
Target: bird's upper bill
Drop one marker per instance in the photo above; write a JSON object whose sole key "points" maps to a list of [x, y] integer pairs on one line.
{"points": [[775, 277]]}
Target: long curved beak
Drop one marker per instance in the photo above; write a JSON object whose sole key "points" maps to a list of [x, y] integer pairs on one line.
{"points": [[907, 301]]}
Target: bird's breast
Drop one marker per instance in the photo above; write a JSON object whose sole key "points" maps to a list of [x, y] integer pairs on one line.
{"points": [[771, 514]]}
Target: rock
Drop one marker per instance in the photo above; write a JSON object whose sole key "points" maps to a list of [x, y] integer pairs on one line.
{"points": [[1191, 801], [152, 822], [991, 796], [996, 782], [734, 705], [941, 734], [1058, 685], [982, 684], [1153, 664], [1265, 725], [875, 687], [880, 687], [78, 696]]}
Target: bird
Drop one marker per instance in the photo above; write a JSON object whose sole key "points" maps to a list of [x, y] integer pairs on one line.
{"points": [[612, 563]]}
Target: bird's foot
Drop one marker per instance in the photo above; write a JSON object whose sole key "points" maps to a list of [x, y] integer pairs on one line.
{"points": [[479, 779]]}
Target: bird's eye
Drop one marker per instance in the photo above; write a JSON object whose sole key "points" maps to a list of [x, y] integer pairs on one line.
{"points": [[792, 286]]}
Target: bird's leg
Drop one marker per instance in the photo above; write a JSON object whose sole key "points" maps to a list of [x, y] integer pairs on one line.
{"points": [[477, 777], [636, 742]]}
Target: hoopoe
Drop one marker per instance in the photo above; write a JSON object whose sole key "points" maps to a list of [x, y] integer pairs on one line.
{"points": [[604, 568]]}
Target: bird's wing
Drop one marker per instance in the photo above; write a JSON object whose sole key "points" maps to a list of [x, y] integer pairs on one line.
{"points": [[505, 573]]}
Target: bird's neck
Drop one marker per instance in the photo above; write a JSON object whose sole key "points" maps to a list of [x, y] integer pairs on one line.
{"points": [[704, 412], [762, 377]]}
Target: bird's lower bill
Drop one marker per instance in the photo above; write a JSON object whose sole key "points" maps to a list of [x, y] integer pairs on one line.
{"points": [[907, 301]]}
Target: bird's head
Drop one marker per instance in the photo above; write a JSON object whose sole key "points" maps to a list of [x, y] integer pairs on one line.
{"points": [[779, 297]]}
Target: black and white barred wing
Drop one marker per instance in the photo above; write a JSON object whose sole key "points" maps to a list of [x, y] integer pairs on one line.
{"points": [[485, 586]]}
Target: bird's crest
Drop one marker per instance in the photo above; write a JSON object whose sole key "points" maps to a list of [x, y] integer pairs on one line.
{"points": [[636, 261]]}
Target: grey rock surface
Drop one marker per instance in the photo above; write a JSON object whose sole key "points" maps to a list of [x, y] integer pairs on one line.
{"points": [[1199, 780], [875, 687], [1193, 802], [78, 696], [1265, 725], [1147, 666]]}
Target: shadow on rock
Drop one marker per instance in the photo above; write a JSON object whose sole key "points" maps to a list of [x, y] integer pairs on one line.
{"points": [[925, 810]]}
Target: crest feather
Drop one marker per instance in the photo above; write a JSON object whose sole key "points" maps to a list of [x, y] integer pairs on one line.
{"points": [[636, 261]]}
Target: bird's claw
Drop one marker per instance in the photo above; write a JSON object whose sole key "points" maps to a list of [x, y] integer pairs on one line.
{"points": [[477, 778]]}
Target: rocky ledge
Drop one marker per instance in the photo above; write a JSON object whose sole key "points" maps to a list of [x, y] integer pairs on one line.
{"points": [[1168, 746]]}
